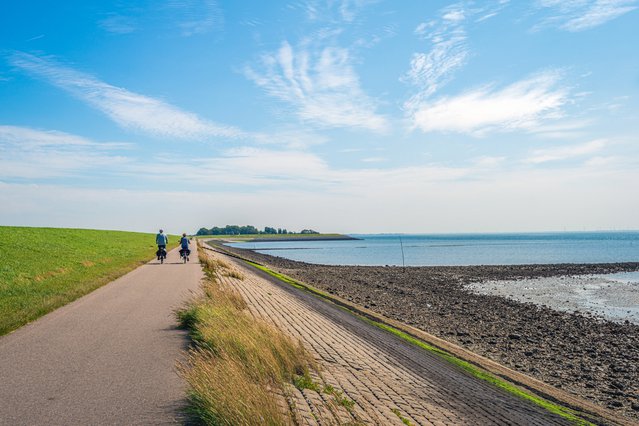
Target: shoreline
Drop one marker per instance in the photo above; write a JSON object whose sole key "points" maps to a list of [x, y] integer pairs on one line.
{"points": [[234, 239], [582, 354], [596, 295], [332, 238]]}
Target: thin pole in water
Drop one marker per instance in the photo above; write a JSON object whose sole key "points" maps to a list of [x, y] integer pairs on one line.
{"points": [[402, 246]]}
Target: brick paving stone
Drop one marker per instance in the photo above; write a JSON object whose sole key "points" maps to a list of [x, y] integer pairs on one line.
{"points": [[376, 370]]}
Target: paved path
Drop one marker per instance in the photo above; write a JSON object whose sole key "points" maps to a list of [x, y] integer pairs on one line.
{"points": [[107, 358], [384, 376]]}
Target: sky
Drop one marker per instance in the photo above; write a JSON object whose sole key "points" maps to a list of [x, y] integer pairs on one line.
{"points": [[352, 116]]}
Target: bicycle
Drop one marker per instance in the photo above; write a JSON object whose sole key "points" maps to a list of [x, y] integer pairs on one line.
{"points": [[161, 255]]}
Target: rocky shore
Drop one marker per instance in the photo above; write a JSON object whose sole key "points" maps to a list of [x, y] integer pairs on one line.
{"points": [[583, 354]]}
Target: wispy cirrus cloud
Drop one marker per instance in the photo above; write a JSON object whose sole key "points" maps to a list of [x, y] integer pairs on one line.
{"points": [[331, 11], [118, 24], [431, 70], [449, 50], [559, 153], [260, 169], [320, 84], [195, 17], [491, 10], [519, 199], [128, 109], [525, 104], [580, 15], [189, 17], [35, 154]]}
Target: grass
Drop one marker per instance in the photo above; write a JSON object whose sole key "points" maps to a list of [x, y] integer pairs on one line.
{"points": [[240, 364], [339, 397], [552, 407], [288, 280], [42, 269], [402, 418], [234, 274], [305, 381], [562, 411]]}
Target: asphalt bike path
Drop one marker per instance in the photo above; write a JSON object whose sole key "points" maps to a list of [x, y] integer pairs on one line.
{"points": [[106, 358], [389, 381]]}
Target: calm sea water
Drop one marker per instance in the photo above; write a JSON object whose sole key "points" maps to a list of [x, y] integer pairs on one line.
{"points": [[461, 249]]}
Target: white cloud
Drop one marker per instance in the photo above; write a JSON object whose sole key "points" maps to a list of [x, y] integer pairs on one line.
{"points": [[259, 169], [432, 70], [455, 15], [580, 15], [246, 167], [320, 84], [332, 11], [491, 10], [188, 17], [442, 200], [562, 130], [486, 161], [118, 24], [128, 109], [36, 154], [525, 104], [449, 50], [291, 138], [272, 165], [566, 152], [196, 17]]}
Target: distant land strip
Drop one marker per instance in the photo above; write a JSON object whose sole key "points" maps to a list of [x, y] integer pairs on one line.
{"points": [[284, 237], [319, 237]]}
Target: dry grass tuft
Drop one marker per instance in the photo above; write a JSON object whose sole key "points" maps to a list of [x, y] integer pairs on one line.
{"points": [[240, 363], [234, 274], [222, 264], [220, 394], [49, 274]]}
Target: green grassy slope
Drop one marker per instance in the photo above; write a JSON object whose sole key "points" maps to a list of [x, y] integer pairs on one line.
{"points": [[42, 269]]}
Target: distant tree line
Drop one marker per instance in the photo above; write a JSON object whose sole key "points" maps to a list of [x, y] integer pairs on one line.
{"points": [[248, 230]]}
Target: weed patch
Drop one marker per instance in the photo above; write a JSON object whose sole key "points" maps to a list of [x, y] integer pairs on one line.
{"points": [[339, 397], [402, 418], [305, 381]]}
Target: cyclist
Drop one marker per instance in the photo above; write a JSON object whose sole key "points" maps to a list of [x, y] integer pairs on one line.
{"points": [[161, 240], [184, 243]]}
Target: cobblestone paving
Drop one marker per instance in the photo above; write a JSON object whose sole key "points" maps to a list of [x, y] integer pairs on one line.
{"points": [[377, 378]]}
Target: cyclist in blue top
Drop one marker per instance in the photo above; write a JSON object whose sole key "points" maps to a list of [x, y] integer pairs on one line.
{"points": [[184, 243], [161, 240]]}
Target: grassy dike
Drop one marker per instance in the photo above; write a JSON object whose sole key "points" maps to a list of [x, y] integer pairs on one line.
{"points": [[239, 368], [42, 269], [553, 407]]}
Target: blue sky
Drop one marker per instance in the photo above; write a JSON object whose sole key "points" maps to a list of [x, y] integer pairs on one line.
{"points": [[345, 116]]}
